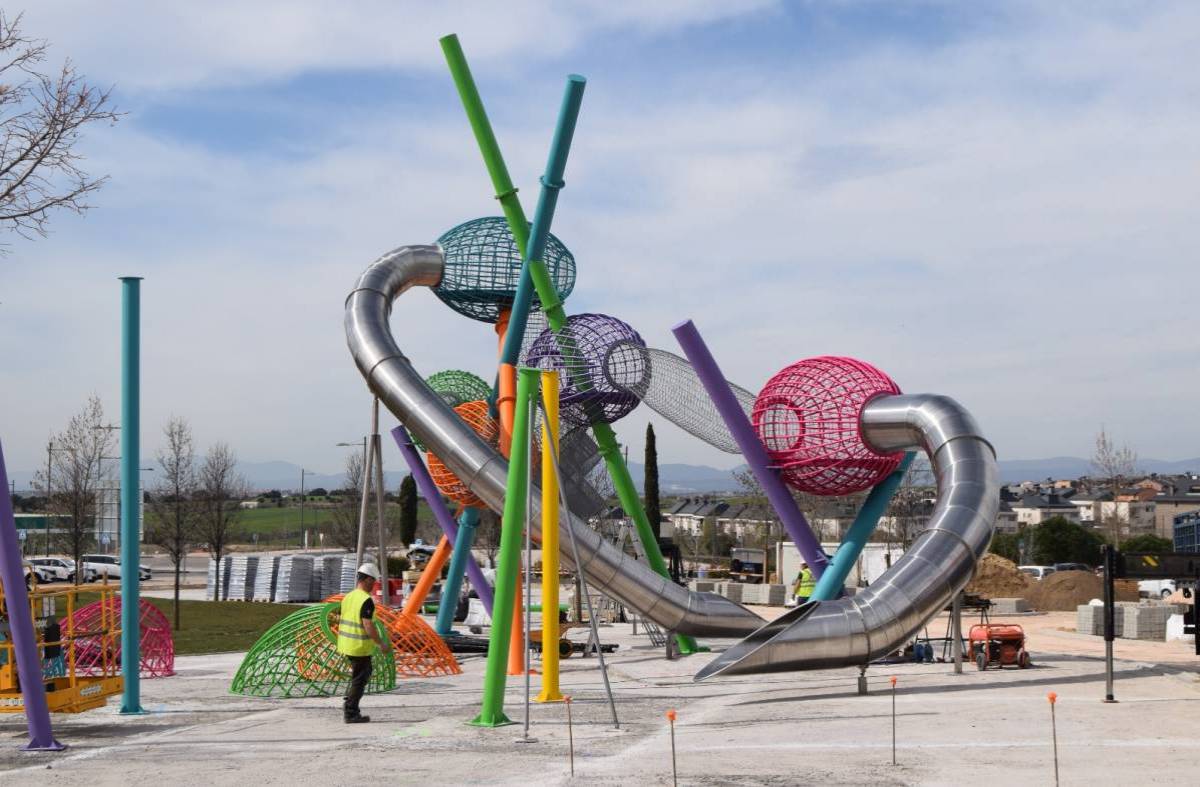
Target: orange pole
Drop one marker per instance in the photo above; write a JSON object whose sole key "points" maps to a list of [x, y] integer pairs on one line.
{"points": [[506, 401], [432, 571]]}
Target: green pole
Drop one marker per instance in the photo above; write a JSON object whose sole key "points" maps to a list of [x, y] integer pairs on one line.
{"points": [[492, 713], [131, 700], [506, 192]]}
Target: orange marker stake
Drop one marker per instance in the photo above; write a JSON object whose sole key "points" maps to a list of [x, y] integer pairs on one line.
{"points": [[1054, 733], [893, 720], [674, 770]]}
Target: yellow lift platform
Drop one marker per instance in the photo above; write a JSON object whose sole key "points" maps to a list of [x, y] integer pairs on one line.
{"points": [[66, 690]]}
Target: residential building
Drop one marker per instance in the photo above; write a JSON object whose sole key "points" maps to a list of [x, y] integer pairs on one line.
{"points": [[1034, 508], [1187, 531]]}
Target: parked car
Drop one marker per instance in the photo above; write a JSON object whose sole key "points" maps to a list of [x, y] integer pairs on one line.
{"points": [[1158, 588], [110, 565], [1037, 572], [53, 569], [1072, 567]]}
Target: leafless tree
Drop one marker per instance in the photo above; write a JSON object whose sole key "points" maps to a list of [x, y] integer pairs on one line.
{"points": [[173, 504], [74, 464], [909, 509], [344, 529], [41, 118], [221, 489], [1114, 466]]}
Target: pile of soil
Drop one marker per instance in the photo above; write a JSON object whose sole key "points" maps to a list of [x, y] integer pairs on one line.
{"points": [[996, 577], [1063, 591]]}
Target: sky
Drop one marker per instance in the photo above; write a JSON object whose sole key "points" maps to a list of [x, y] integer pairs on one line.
{"points": [[994, 201]]}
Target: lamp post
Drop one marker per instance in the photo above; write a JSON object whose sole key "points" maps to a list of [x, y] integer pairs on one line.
{"points": [[99, 479], [363, 443], [303, 472]]}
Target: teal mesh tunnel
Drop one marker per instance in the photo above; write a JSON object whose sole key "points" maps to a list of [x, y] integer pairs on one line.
{"points": [[483, 267], [297, 657]]}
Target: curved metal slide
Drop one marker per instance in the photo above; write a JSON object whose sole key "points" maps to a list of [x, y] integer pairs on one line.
{"points": [[817, 635]]}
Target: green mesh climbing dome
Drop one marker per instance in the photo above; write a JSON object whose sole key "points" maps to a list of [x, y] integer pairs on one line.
{"points": [[298, 657], [483, 267], [455, 387]]}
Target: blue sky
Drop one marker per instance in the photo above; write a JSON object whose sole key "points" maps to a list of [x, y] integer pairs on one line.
{"points": [[994, 201]]}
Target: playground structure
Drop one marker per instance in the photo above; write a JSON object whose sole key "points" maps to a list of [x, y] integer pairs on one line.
{"points": [[297, 657], [826, 425], [157, 657]]}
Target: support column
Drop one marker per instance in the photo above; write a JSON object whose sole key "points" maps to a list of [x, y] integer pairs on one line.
{"points": [[550, 688], [131, 503]]}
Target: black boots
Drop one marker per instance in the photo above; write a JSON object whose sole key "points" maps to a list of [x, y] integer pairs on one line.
{"points": [[359, 719]]}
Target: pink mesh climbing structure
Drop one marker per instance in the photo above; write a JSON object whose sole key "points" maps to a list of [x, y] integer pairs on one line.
{"points": [[92, 651], [807, 416]]}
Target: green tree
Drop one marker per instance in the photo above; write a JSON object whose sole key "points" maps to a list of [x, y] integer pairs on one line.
{"points": [[408, 510], [1059, 540], [1007, 546], [1147, 542], [650, 483]]}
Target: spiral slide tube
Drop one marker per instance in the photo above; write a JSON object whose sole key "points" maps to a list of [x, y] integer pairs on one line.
{"points": [[403, 391], [867, 626]]}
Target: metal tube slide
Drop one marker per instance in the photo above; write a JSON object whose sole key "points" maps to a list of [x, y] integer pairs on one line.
{"points": [[867, 626], [391, 377]]}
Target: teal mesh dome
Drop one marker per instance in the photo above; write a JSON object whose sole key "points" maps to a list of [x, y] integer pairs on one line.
{"points": [[298, 657], [483, 267]]}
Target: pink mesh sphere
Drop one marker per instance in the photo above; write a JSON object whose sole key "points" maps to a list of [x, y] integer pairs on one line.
{"points": [[807, 416]]}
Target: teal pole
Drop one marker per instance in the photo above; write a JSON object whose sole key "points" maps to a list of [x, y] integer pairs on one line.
{"points": [[543, 215], [509, 561], [830, 585], [131, 700], [463, 541]]}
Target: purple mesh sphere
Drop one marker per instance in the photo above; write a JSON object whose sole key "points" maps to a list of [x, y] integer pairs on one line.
{"points": [[580, 352]]}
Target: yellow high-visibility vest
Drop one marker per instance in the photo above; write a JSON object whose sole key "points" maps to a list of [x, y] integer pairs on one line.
{"points": [[807, 584], [353, 639]]}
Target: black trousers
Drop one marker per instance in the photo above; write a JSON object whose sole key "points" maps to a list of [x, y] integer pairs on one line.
{"points": [[360, 674]]}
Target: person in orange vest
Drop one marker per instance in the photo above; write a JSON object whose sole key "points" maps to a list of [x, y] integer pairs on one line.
{"points": [[358, 637]]}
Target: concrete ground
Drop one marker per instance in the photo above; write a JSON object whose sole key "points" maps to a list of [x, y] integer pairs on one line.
{"points": [[989, 727]]}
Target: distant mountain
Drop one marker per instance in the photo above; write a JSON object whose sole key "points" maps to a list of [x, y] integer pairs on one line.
{"points": [[677, 479], [1014, 471]]}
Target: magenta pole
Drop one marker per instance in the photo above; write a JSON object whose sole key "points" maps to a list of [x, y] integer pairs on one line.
{"points": [[751, 447], [433, 497], [20, 621]]}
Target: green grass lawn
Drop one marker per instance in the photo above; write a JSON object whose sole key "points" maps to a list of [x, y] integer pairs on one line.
{"points": [[216, 626]]}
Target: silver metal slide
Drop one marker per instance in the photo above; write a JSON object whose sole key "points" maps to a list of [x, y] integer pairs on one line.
{"points": [[816, 635]]}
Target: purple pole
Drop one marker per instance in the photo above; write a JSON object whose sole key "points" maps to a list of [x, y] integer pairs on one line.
{"points": [[433, 497], [29, 666], [751, 447]]}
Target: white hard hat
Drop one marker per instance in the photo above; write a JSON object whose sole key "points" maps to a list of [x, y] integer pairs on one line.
{"points": [[370, 569]]}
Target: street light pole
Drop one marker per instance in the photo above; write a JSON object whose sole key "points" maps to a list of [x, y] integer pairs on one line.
{"points": [[302, 472]]}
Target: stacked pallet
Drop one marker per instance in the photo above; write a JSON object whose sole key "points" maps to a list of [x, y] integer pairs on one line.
{"points": [[349, 575], [264, 580], [293, 582], [316, 586], [331, 575], [210, 592], [242, 571], [1146, 622]]}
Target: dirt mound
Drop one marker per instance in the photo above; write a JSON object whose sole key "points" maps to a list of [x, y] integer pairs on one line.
{"points": [[996, 577], [1065, 590]]}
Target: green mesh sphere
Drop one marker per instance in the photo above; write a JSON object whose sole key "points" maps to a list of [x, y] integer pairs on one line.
{"points": [[456, 387], [298, 657], [483, 267]]}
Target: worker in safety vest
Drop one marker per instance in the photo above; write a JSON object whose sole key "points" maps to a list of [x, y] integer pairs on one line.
{"points": [[358, 638], [805, 584]]}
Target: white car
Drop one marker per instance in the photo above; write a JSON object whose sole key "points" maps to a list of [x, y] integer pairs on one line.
{"points": [[1157, 588], [53, 569], [1037, 572], [110, 566]]}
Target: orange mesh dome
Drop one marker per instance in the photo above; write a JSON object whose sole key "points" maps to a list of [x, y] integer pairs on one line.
{"points": [[475, 414]]}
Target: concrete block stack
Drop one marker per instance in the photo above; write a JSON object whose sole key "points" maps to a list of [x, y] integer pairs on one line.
{"points": [[731, 590], [264, 580], [702, 586], [1147, 622], [1009, 606], [210, 592], [242, 572]]}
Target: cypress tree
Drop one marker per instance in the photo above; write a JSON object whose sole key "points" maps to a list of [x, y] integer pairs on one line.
{"points": [[408, 510], [650, 483]]}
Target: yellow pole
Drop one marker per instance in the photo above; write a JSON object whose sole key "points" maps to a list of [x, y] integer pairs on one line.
{"points": [[550, 690]]}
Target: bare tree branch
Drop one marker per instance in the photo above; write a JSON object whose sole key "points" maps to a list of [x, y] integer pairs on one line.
{"points": [[41, 120]]}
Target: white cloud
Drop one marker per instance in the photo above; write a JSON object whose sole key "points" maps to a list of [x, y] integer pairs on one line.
{"points": [[1006, 219]]}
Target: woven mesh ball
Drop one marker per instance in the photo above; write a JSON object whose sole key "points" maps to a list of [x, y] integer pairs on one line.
{"points": [[483, 267], [580, 353], [455, 387], [475, 414], [807, 416]]}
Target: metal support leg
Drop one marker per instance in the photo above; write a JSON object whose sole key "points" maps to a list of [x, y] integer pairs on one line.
{"points": [[956, 632]]}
